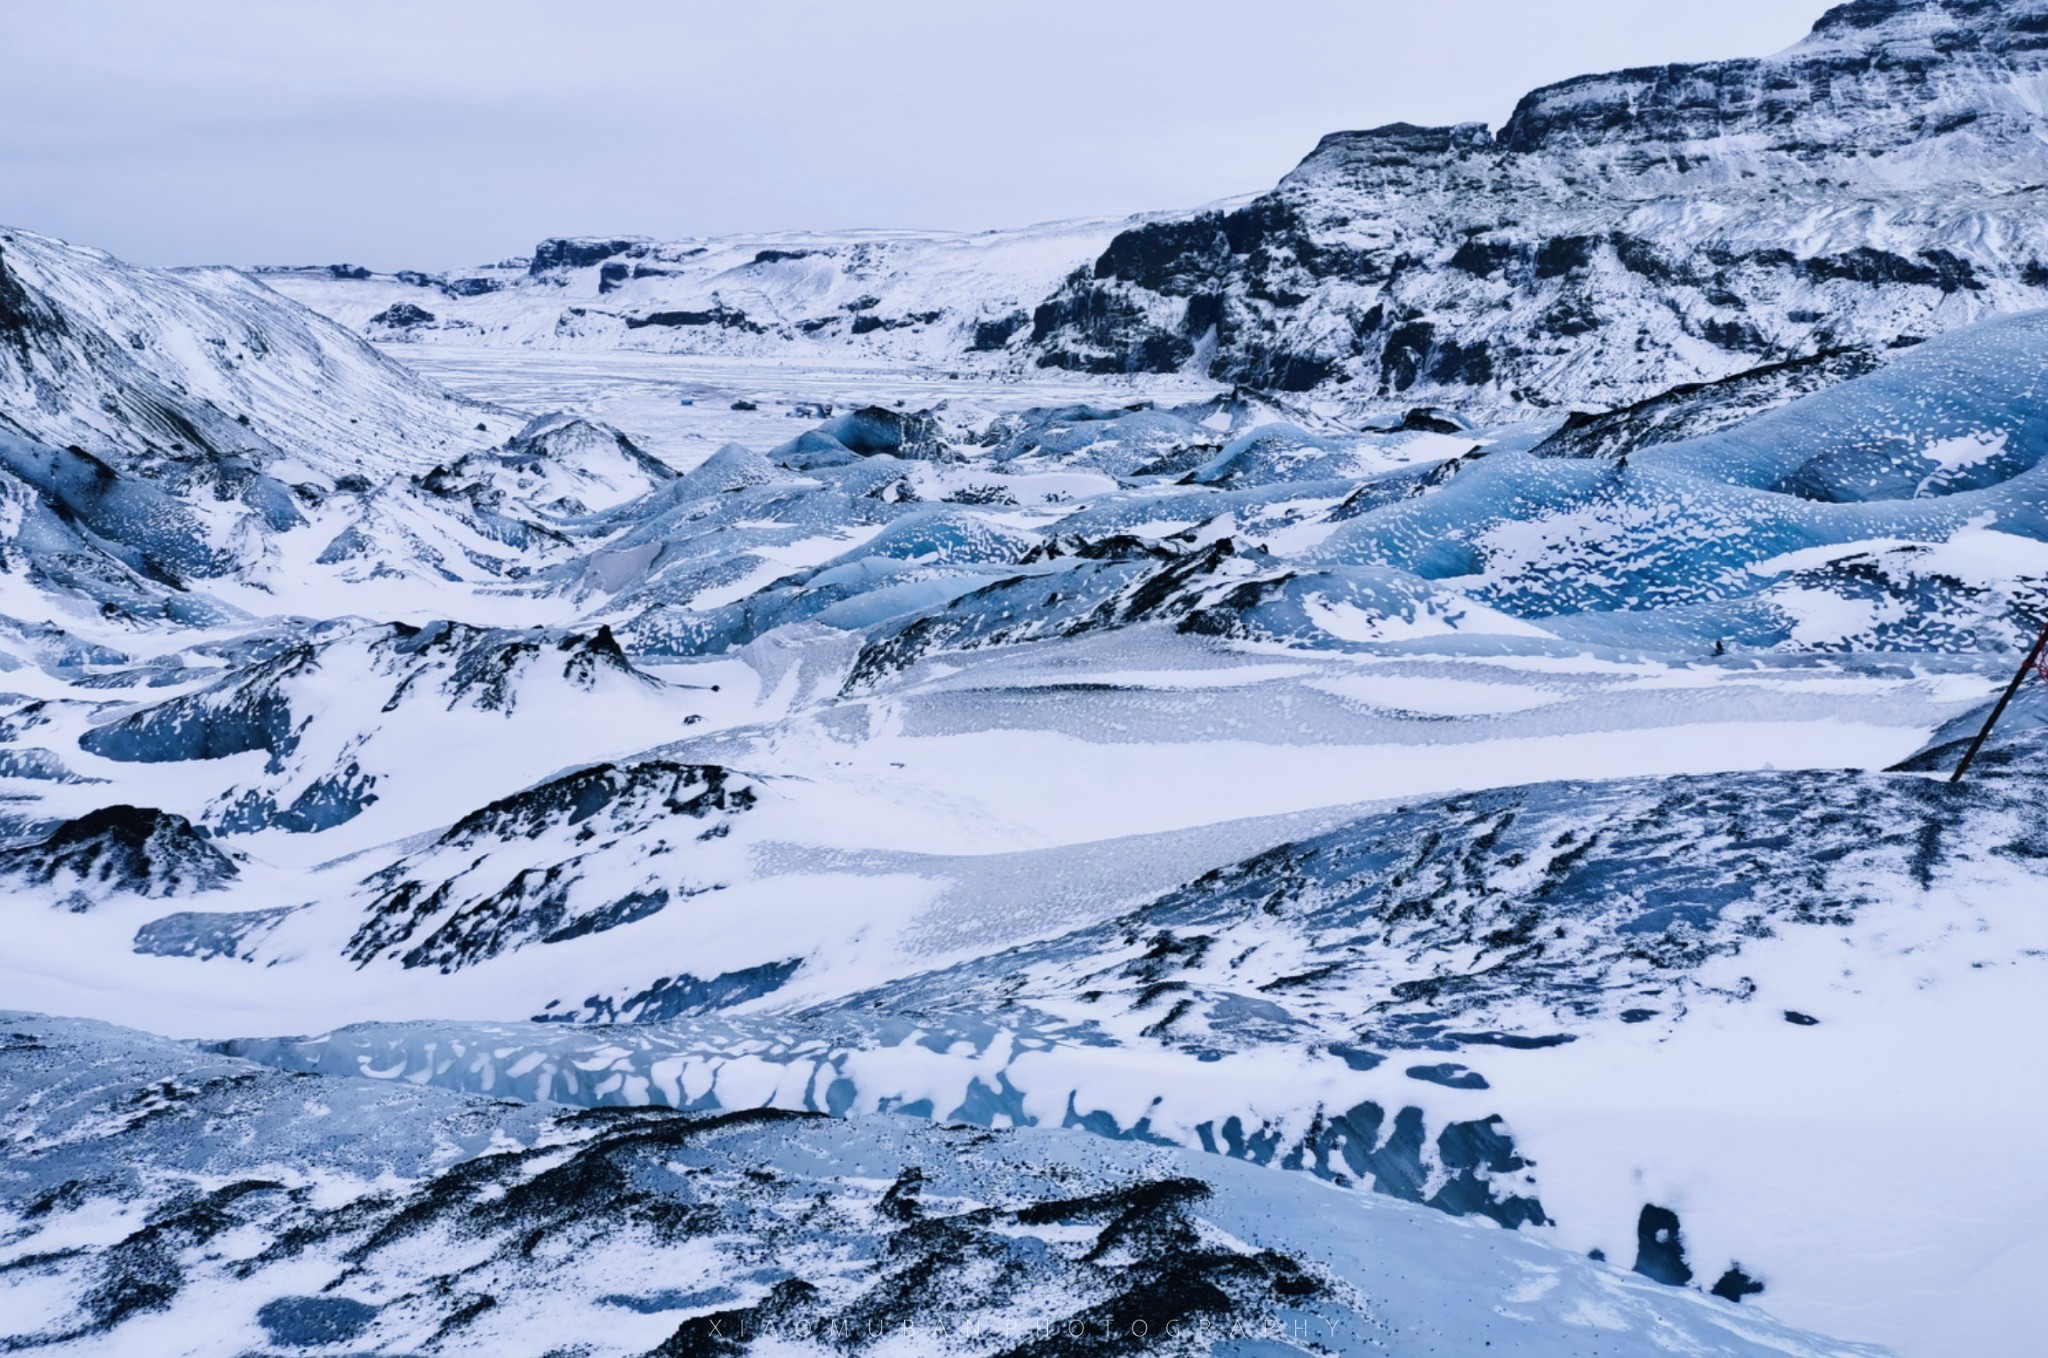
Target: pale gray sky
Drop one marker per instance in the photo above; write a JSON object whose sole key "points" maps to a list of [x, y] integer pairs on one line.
{"points": [[437, 133]]}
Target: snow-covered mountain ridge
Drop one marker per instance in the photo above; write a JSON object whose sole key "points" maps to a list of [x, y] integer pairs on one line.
{"points": [[900, 295], [1875, 184], [192, 446]]}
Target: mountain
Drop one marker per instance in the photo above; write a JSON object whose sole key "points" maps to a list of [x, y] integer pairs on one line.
{"points": [[877, 774], [203, 377], [1621, 234], [912, 296], [114, 849]]}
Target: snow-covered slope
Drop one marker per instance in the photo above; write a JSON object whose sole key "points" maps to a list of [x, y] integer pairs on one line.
{"points": [[191, 447], [227, 1209], [1579, 1006], [200, 373]]}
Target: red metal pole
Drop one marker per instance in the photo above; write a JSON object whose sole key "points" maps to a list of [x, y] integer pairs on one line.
{"points": [[2032, 661]]}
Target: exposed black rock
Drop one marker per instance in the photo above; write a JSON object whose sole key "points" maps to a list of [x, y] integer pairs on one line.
{"points": [[1698, 408], [1430, 420], [1734, 1285], [990, 336], [1660, 1248], [562, 252], [720, 315], [403, 316], [466, 906], [1104, 333], [133, 849], [869, 322]]}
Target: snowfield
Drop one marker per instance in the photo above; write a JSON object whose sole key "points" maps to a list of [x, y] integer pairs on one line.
{"points": [[1323, 775]]}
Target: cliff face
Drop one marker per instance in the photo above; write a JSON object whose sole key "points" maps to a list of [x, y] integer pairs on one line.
{"points": [[1920, 79], [1875, 184]]}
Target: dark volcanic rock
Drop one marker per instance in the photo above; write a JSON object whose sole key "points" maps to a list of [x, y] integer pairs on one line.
{"points": [[726, 317], [120, 849], [403, 316], [683, 996], [990, 336], [722, 1233], [1698, 408]]}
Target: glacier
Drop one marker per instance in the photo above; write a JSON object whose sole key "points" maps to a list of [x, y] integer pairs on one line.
{"points": [[1361, 769]]}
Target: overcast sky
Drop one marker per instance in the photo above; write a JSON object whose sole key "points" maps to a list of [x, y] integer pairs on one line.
{"points": [[437, 133]]}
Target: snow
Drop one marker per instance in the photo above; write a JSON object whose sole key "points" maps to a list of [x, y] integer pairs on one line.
{"points": [[1928, 1122], [1966, 450], [1440, 697], [1039, 1204], [1375, 826]]}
